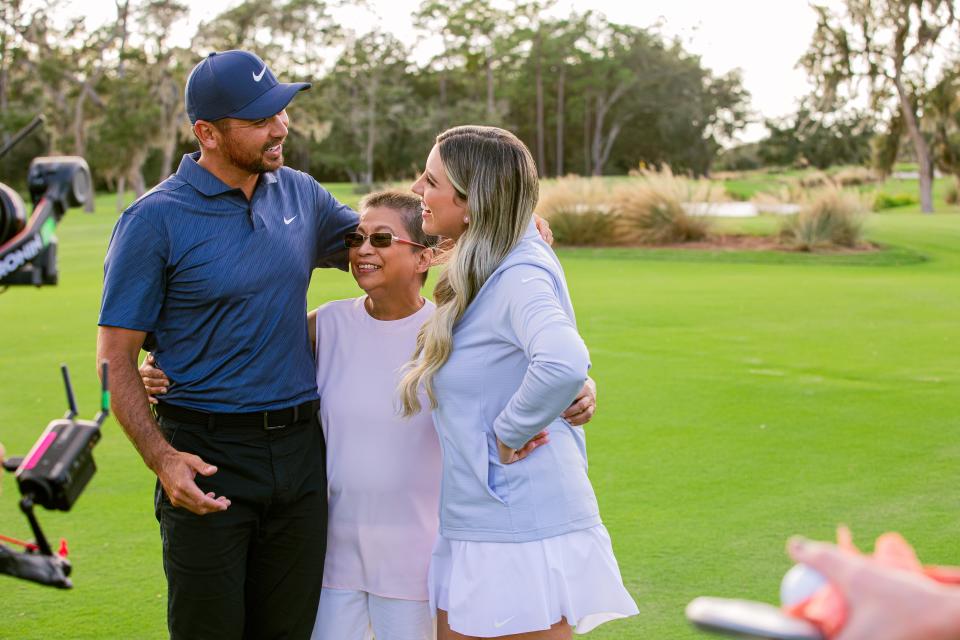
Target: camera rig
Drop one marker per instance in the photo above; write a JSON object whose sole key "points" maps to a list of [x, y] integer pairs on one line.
{"points": [[53, 475], [28, 246]]}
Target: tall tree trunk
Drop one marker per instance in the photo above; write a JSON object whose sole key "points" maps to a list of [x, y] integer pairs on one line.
{"points": [[3, 74], [596, 146], [443, 98], [123, 9], [79, 143], [135, 170], [371, 128], [169, 94], [137, 182], [79, 116], [13, 18], [121, 188], [541, 153], [490, 97], [560, 114], [587, 169], [168, 147], [920, 146], [603, 143]]}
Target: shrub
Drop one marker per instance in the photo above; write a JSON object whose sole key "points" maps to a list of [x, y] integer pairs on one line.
{"points": [[832, 218], [651, 207], [855, 177], [814, 180], [579, 211], [587, 227], [739, 158], [952, 196], [789, 191], [892, 200]]}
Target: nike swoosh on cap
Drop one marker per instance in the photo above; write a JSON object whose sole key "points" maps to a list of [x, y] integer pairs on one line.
{"points": [[257, 77]]}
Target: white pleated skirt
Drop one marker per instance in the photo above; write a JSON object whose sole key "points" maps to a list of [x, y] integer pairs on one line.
{"points": [[491, 589]]}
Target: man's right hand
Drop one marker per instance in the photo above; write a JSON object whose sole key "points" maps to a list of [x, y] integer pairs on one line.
{"points": [[176, 469], [177, 472]]}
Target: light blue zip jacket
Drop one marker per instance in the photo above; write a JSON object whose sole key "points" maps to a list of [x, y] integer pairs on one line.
{"points": [[517, 363]]}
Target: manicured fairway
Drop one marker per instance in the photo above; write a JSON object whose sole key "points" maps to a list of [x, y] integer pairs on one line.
{"points": [[741, 400]]}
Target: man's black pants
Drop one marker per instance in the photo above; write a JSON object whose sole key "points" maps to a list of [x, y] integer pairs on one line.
{"points": [[256, 569]]}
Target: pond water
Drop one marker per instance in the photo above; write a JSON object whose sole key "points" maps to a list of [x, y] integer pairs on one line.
{"points": [[738, 209]]}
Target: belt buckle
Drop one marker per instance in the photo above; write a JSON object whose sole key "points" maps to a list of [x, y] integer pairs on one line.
{"points": [[266, 423]]}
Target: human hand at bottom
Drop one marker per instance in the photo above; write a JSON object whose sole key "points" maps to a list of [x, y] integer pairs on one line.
{"points": [[177, 473], [883, 602], [509, 456]]}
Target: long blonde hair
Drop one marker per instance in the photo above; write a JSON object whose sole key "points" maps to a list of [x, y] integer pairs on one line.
{"points": [[493, 171]]}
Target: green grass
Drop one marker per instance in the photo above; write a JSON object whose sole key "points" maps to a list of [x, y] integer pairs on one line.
{"points": [[741, 400]]}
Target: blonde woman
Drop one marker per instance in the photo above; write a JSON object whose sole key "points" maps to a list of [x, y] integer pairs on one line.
{"points": [[521, 551]]}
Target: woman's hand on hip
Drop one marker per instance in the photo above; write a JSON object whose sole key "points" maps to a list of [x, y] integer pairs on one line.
{"points": [[509, 456]]}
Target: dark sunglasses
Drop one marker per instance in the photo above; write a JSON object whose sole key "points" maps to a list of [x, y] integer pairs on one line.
{"points": [[381, 239]]}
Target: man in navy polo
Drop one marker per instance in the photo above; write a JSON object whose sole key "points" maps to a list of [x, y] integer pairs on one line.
{"points": [[210, 271]]}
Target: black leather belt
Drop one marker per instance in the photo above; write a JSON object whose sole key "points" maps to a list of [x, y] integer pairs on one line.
{"points": [[267, 420]]}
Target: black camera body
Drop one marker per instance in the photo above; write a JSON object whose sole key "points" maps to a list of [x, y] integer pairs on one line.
{"points": [[60, 465], [53, 475], [28, 247]]}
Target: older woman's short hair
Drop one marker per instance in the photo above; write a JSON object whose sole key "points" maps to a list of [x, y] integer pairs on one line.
{"points": [[409, 207]]}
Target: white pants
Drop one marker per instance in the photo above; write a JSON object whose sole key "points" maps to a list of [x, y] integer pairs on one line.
{"points": [[358, 615]]}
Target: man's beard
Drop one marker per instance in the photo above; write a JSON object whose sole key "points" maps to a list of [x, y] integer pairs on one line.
{"points": [[248, 161]]}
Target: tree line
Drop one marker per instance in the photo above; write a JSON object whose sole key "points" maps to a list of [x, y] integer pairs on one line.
{"points": [[587, 95], [887, 76]]}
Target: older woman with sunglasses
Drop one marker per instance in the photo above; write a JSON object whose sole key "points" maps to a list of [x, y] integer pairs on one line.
{"points": [[383, 471]]}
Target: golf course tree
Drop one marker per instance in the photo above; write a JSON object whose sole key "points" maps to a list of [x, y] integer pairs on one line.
{"points": [[112, 93], [576, 87], [646, 99], [942, 104], [370, 106], [539, 81], [813, 138], [54, 69], [166, 65], [476, 36], [21, 94], [892, 46], [125, 133], [584, 93], [144, 114], [561, 57], [533, 46], [291, 34]]}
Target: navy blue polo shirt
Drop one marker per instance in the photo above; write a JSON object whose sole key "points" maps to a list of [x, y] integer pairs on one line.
{"points": [[220, 283]]}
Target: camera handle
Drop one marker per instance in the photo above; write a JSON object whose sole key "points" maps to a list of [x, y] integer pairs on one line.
{"points": [[23, 133], [26, 505]]}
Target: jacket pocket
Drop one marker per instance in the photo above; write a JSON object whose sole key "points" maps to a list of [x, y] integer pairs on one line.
{"points": [[490, 473]]}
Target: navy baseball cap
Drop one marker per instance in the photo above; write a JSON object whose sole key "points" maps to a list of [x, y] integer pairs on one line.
{"points": [[236, 84]]}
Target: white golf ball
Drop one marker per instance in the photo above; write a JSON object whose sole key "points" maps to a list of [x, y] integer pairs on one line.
{"points": [[799, 583]]}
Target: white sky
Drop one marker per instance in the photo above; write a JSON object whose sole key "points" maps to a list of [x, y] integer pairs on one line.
{"points": [[764, 38]]}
